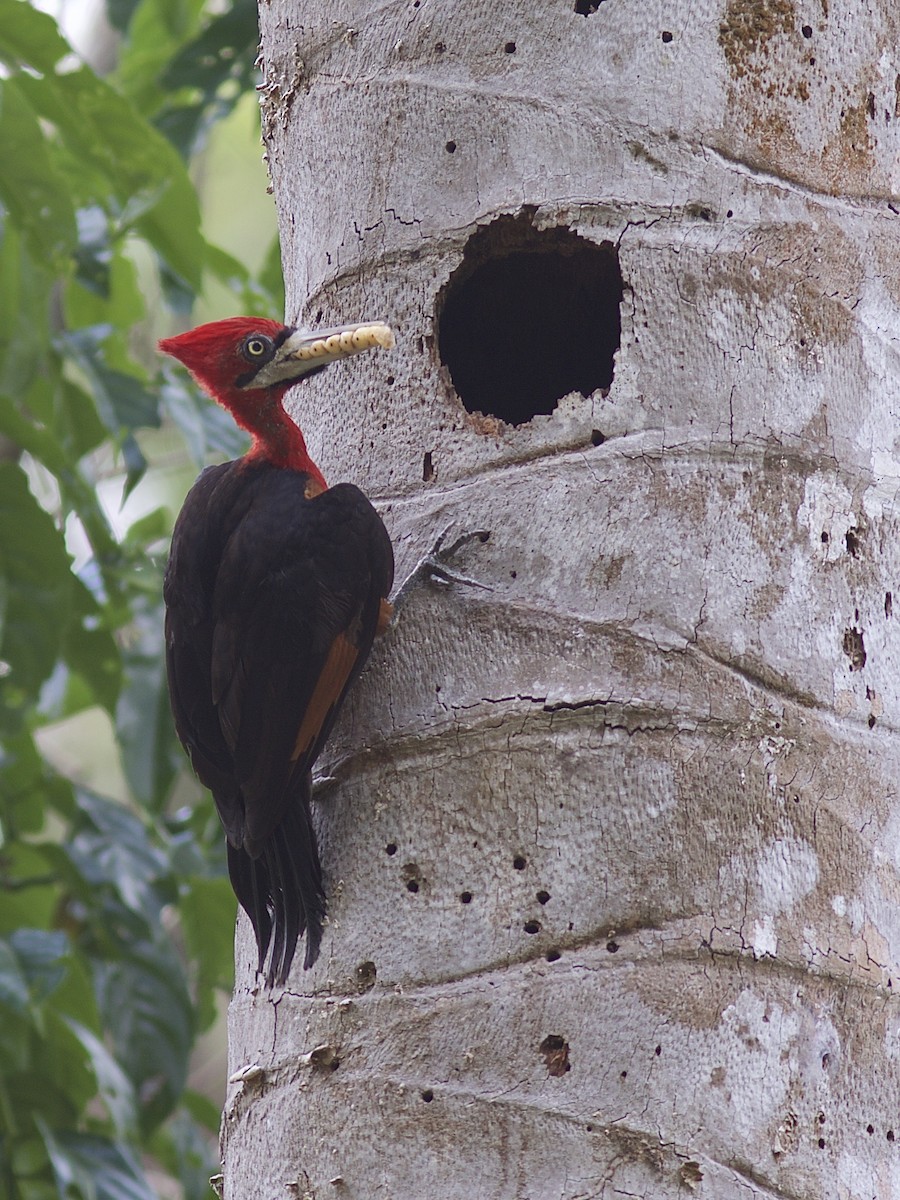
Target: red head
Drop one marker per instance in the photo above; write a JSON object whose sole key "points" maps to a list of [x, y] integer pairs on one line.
{"points": [[247, 364]]}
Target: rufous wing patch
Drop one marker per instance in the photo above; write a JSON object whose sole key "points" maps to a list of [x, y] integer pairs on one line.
{"points": [[385, 613], [330, 684]]}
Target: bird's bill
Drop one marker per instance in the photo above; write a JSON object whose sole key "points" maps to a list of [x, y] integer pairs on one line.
{"points": [[302, 351]]}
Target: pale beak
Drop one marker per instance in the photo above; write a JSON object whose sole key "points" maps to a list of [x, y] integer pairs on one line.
{"points": [[302, 351]]}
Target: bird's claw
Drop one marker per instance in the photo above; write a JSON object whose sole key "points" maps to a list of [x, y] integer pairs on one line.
{"points": [[434, 564], [432, 567]]}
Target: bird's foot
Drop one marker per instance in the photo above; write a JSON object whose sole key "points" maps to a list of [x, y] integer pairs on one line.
{"points": [[322, 785], [433, 566]]}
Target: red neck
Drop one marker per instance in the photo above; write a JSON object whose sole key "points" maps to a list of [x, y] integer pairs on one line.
{"points": [[276, 439]]}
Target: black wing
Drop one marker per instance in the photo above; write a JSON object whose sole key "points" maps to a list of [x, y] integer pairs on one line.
{"points": [[273, 600]]}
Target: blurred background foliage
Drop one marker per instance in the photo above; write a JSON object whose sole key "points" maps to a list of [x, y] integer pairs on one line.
{"points": [[127, 170]]}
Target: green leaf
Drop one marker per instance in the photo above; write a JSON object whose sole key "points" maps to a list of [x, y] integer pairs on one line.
{"points": [[202, 1109], [215, 69], [155, 526], [125, 158], [14, 993], [43, 955], [206, 427], [187, 1151], [113, 849], [158, 28], [29, 37], [25, 287], [147, 1011], [124, 404], [113, 1085], [35, 570], [150, 757], [35, 193], [28, 886], [208, 909], [24, 784], [94, 1168]]}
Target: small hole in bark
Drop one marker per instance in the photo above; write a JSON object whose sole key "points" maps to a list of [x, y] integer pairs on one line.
{"points": [[824, 537], [586, 8], [324, 1058], [807, 31], [366, 974], [729, 213], [870, 1129], [509, 48], [890, 1135], [427, 467], [413, 877], [450, 147], [612, 947], [623, 1074], [428, 1095], [854, 647], [390, 381], [552, 956], [666, 35], [555, 1050], [597, 438], [319, 316], [821, 1143], [543, 897], [465, 897], [852, 540], [658, 1051], [870, 105], [532, 927], [391, 848], [513, 574], [821, 1116], [589, 1128], [439, 47], [872, 720], [550, 300], [520, 863], [888, 604]]}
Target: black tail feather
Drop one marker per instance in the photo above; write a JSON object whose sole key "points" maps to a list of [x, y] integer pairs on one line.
{"points": [[281, 891], [251, 886]]}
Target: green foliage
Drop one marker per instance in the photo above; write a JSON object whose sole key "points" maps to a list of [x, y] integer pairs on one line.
{"points": [[115, 917]]}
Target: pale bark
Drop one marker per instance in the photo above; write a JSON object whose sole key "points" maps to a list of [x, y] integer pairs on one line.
{"points": [[676, 712]]}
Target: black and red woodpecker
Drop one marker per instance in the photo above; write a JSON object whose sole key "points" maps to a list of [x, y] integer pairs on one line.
{"points": [[275, 589]]}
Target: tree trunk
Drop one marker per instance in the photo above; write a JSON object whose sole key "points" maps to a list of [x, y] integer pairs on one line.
{"points": [[612, 851]]}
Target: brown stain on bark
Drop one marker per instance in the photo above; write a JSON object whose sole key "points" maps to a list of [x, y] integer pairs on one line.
{"points": [[776, 72], [748, 27]]}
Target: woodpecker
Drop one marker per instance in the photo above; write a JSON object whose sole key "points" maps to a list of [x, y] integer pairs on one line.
{"points": [[276, 587]]}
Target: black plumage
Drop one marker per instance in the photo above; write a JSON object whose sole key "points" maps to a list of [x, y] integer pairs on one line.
{"points": [[274, 592]]}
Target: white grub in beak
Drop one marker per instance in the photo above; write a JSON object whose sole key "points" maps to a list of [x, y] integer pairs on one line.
{"points": [[303, 351]]}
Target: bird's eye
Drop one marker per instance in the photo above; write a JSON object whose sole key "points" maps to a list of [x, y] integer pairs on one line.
{"points": [[257, 348]]}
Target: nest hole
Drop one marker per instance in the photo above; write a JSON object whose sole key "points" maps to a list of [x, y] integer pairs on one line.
{"points": [[529, 316]]}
